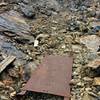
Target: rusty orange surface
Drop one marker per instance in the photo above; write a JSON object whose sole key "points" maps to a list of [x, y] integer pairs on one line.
{"points": [[52, 76]]}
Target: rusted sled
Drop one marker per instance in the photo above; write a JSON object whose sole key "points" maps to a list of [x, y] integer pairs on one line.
{"points": [[52, 76]]}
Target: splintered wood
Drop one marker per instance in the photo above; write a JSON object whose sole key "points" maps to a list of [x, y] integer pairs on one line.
{"points": [[6, 62]]}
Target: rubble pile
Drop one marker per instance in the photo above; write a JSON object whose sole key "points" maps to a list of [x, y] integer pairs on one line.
{"points": [[31, 29]]}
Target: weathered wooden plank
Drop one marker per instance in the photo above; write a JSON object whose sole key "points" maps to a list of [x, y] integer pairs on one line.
{"points": [[6, 62]]}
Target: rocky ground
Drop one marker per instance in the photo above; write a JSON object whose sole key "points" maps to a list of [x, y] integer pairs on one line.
{"points": [[29, 29]]}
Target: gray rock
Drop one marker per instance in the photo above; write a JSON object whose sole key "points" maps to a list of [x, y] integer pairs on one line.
{"points": [[98, 14], [27, 11], [49, 4], [26, 1], [12, 22]]}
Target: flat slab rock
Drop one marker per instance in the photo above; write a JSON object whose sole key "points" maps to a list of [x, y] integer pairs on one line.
{"points": [[92, 42], [13, 22]]}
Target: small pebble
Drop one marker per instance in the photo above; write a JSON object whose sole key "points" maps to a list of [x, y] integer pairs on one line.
{"points": [[87, 79], [80, 84], [88, 89], [13, 94]]}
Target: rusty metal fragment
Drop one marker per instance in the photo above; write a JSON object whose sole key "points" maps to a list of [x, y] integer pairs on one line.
{"points": [[52, 76]]}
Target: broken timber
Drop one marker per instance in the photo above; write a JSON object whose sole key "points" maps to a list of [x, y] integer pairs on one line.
{"points": [[6, 62]]}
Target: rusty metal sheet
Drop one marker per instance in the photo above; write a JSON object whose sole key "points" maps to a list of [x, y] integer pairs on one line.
{"points": [[52, 76]]}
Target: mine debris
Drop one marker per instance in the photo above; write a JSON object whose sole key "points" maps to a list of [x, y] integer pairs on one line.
{"points": [[36, 42], [52, 76], [6, 62]]}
